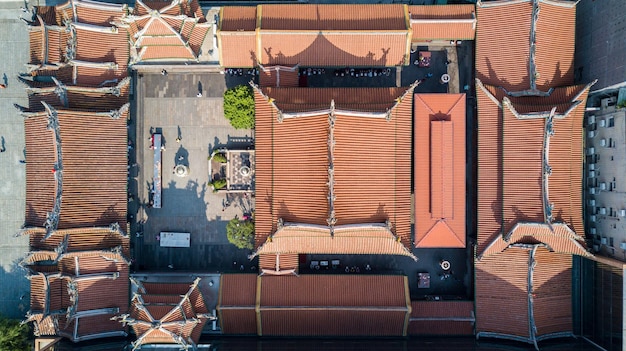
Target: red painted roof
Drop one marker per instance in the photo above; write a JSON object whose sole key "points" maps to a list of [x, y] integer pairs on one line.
{"points": [[439, 134]]}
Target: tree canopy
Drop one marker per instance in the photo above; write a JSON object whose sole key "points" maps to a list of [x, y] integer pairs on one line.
{"points": [[239, 106], [240, 233], [13, 335]]}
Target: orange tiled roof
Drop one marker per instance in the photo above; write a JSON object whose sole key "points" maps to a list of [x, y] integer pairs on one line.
{"points": [[88, 142], [314, 35], [507, 131], [162, 30], [439, 170], [278, 76], [351, 239], [505, 27], [533, 312], [167, 313], [290, 161], [279, 264], [522, 169], [441, 318], [238, 18], [98, 13], [79, 239], [60, 298], [82, 98], [336, 17], [558, 237], [317, 305], [236, 303], [442, 22]]}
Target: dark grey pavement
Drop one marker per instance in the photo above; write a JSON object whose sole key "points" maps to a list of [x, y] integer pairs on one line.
{"points": [[600, 42], [169, 104], [14, 287]]}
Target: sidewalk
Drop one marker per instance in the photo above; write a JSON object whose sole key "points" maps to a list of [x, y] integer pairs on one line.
{"points": [[14, 295]]}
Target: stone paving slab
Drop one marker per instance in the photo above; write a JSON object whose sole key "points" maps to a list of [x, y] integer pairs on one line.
{"points": [[169, 105], [14, 291]]}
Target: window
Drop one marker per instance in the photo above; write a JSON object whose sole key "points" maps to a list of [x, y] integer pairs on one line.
{"points": [[611, 242], [611, 121]]}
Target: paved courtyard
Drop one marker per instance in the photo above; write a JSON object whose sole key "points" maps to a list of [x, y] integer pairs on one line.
{"points": [[192, 127], [14, 291]]}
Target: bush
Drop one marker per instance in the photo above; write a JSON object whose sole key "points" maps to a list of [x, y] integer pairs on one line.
{"points": [[219, 157], [13, 335], [218, 184], [240, 233], [239, 106]]}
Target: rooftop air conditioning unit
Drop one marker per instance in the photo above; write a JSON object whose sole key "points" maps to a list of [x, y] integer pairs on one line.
{"points": [[622, 246], [591, 133], [592, 166], [593, 191], [592, 174], [603, 186], [591, 151], [591, 120], [592, 202], [602, 123], [604, 240], [622, 213], [592, 231], [592, 218], [603, 142], [602, 210]]}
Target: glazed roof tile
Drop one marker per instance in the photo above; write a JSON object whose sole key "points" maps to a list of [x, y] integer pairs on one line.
{"points": [[442, 22], [172, 313], [439, 170], [352, 239], [505, 27], [316, 305], [500, 184], [238, 18], [79, 239], [441, 318], [522, 169], [279, 264], [558, 237], [536, 312], [356, 201], [314, 35], [166, 30], [335, 17], [76, 286], [236, 303], [86, 146]]}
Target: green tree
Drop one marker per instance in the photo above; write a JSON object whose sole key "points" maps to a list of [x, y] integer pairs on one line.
{"points": [[240, 233], [13, 335], [239, 106]]}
